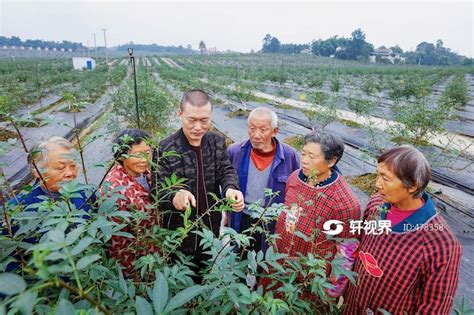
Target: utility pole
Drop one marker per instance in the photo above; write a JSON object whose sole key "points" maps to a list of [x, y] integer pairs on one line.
{"points": [[105, 48], [95, 49], [135, 87]]}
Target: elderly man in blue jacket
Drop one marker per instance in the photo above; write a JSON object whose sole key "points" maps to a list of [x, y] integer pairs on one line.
{"points": [[261, 162]]}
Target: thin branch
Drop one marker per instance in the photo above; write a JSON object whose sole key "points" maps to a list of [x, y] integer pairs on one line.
{"points": [[81, 151], [43, 181], [112, 164], [81, 294]]}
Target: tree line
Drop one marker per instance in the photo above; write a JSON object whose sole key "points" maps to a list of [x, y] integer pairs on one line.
{"points": [[35, 43], [158, 48], [357, 48]]}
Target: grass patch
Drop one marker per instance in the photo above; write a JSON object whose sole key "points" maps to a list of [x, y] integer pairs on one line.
{"points": [[87, 133], [284, 106], [296, 142], [228, 141], [403, 140], [6, 134], [365, 182], [217, 101], [258, 99], [46, 108], [30, 123], [239, 113], [351, 123]]}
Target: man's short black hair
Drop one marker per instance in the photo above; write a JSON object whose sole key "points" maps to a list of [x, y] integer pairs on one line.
{"points": [[195, 97]]}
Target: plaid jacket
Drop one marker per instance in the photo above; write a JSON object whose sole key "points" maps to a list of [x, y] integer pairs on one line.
{"points": [[309, 207], [409, 270], [127, 250]]}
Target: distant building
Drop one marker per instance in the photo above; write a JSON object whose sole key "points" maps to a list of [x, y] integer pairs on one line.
{"points": [[338, 49], [385, 54], [80, 63], [210, 51]]}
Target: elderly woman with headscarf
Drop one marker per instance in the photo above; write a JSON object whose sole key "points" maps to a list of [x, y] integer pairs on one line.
{"points": [[131, 171], [316, 194], [414, 268]]}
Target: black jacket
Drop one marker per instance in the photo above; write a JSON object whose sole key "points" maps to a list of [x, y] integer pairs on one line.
{"points": [[219, 175]]}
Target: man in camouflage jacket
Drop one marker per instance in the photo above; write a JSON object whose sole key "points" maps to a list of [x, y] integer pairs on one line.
{"points": [[203, 161]]}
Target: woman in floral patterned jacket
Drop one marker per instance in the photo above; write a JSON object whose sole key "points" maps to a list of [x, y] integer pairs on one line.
{"points": [[131, 172]]}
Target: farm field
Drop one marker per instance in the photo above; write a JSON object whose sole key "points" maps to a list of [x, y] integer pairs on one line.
{"points": [[372, 107]]}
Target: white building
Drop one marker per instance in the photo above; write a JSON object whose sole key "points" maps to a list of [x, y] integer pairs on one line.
{"points": [[383, 53], [80, 63]]}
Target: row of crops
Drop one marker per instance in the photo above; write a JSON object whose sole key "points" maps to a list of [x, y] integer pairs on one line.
{"points": [[426, 106], [391, 92], [26, 82]]}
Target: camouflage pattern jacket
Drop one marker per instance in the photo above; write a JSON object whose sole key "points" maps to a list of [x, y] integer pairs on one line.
{"points": [[219, 175]]}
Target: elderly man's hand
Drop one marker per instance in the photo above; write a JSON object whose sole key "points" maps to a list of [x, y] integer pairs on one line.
{"points": [[237, 197], [182, 199]]}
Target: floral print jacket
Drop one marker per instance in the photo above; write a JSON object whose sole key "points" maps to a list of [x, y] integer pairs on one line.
{"points": [[126, 250]]}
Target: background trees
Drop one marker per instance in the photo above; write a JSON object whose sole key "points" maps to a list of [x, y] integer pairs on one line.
{"points": [[357, 48], [270, 44], [16, 41], [202, 47]]}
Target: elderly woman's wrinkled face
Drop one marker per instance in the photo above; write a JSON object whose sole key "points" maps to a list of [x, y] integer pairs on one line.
{"points": [[313, 163], [60, 167], [390, 187], [139, 157]]}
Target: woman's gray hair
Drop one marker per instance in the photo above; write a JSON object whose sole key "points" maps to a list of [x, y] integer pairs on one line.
{"points": [[409, 165], [39, 152], [265, 110], [332, 145]]}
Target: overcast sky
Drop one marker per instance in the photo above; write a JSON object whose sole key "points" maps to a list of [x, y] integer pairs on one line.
{"points": [[240, 25]]}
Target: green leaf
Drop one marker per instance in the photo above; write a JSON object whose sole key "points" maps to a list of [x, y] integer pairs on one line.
{"points": [[183, 297], [11, 283], [74, 235], [160, 293], [302, 235], [86, 261], [142, 306], [122, 282], [55, 256], [65, 308], [56, 236], [83, 244], [26, 302]]}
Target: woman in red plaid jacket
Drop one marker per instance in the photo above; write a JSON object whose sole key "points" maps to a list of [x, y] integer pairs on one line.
{"points": [[131, 172], [414, 268], [315, 194]]}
